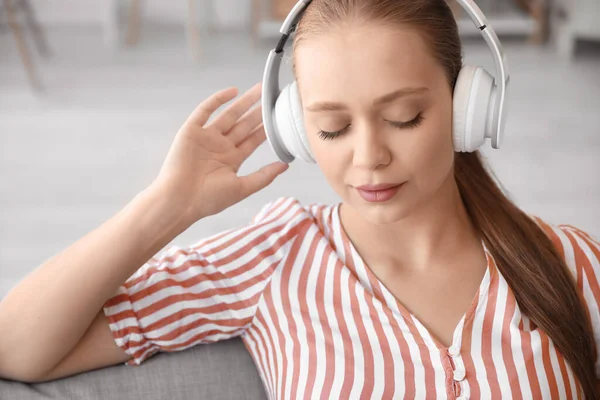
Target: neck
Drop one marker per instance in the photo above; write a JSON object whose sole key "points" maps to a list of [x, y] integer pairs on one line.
{"points": [[433, 234]]}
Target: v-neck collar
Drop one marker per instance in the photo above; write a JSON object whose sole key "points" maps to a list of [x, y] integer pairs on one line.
{"points": [[385, 295]]}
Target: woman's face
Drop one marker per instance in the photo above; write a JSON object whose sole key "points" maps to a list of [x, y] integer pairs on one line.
{"points": [[391, 106]]}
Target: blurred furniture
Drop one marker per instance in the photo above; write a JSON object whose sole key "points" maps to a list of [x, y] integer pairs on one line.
{"points": [[281, 8], [508, 17], [218, 371], [19, 14], [539, 10], [132, 12], [575, 19]]}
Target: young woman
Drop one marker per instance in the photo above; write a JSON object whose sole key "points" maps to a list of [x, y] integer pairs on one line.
{"points": [[438, 287]]}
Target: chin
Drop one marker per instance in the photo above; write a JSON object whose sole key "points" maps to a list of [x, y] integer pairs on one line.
{"points": [[383, 213]]}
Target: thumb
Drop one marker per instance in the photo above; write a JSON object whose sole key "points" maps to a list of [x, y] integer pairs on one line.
{"points": [[260, 179]]}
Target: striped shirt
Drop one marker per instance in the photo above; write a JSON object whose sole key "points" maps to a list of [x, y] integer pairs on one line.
{"points": [[320, 325]]}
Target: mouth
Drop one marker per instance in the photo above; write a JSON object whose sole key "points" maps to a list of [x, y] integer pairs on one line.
{"points": [[377, 186], [378, 192]]}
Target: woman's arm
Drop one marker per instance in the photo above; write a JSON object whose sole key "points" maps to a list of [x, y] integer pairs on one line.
{"points": [[46, 315]]}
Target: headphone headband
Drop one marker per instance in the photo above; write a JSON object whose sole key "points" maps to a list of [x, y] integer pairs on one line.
{"points": [[271, 89]]}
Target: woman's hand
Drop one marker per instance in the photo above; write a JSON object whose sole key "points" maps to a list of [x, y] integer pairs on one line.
{"points": [[200, 171]]}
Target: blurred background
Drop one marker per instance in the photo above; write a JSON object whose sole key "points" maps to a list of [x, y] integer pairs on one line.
{"points": [[92, 93]]}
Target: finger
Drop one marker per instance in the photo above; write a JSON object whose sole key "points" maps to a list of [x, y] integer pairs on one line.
{"points": [[262, 178], [205, 109], [227, 119], [255, 139], [245, 126]]}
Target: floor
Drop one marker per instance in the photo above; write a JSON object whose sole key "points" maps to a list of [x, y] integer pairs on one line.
{"points": [[73, 156]]}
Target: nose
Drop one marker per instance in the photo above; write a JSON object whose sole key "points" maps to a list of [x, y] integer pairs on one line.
{"points": [[370, 149]]}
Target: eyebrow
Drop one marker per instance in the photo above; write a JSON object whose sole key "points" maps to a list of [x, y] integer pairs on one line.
{"points": [[388, 98]]}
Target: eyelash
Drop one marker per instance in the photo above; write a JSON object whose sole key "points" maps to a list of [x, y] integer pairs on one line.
{"points": [[400, 125]]}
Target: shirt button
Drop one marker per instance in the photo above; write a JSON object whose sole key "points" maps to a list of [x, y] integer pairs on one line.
{"points": [[453, 351], [459, 375]]}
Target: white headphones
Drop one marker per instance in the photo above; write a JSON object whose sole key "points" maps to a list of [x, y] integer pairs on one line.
{"points": [[479, 110]]}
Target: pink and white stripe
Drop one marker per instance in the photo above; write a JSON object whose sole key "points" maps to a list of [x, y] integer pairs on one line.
{"points": [[320, 325]]}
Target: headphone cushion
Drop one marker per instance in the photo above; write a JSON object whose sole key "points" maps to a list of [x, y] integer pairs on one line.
{"points": [[284, 121], [289, 119], [471, 100], [297, 114]]}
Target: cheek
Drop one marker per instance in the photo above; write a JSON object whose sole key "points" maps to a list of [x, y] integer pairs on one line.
{"points": [[327, 160], [433, 156], [332, 160], [333, 164]]}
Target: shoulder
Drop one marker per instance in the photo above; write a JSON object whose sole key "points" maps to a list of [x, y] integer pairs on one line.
{"points": [[579, 249], [288, 218], [289, 210]]}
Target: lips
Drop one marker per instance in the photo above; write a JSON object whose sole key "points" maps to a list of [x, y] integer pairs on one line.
{"points": [[378, 186], [380, 192]]}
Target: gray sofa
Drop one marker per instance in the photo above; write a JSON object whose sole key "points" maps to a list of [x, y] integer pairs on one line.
{"points": [[216, 371]]}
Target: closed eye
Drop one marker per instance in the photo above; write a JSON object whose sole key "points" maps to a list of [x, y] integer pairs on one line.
{"points": [[325, 135], [410, 124], [332, 135]]}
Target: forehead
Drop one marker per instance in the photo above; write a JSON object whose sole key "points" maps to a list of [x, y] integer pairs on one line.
{"points": [[351, 62]]}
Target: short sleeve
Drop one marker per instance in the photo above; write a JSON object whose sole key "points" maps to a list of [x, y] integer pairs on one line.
{"points": [[204, 293], [581, 252]]}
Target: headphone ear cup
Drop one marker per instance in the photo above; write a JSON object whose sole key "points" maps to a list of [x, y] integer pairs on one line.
{"points": [[289, 121], [471, 108]]}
